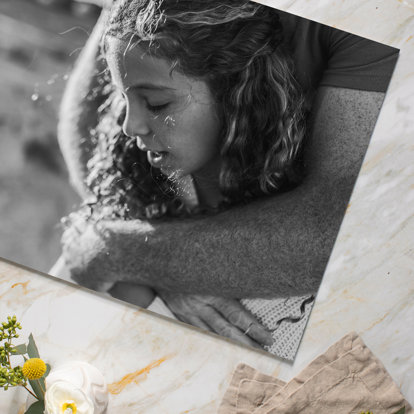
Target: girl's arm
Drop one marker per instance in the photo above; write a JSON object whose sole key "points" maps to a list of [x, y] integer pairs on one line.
{"points": [[78, 110], [273, 246]]}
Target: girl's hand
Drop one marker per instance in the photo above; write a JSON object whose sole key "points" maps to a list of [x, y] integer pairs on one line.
{"points": [[224, 316]]}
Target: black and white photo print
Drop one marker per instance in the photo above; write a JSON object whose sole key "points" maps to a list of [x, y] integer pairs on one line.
{"points": [[213, 146]]}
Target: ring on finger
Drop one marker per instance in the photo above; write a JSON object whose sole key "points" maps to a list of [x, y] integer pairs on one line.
{"points": [[248, 328]]}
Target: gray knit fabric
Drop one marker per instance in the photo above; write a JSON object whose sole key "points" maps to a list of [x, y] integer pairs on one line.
{"points": [[286, 318]]}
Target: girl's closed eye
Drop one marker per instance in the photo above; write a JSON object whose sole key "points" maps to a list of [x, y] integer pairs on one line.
{"points": [[157, 107], [153, 106]]}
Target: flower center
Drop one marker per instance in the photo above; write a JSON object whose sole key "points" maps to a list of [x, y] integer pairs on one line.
{"points": [[69, 408]]}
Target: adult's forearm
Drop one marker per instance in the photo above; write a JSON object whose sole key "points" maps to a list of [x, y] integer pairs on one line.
{"points": [[273, 246], [280, 248], [79, 109]]}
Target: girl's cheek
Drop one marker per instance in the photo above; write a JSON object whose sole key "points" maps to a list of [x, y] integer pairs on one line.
{"points": [[169, 121]]}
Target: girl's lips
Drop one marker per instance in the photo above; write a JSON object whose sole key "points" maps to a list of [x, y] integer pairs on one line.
{"points": [[156, 158]]}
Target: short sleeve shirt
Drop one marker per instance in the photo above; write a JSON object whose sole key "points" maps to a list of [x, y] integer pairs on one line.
{"points": [[325, 56]]}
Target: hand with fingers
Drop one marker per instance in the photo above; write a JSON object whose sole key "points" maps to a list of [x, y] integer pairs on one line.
{"points": [[224, 316]]}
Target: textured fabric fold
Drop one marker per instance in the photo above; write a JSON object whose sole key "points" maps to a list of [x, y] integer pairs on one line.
{"points": [[246, 373], [346, 378]]}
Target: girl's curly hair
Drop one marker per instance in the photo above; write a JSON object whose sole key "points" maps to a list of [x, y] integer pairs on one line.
{"points": [[237, 48]]}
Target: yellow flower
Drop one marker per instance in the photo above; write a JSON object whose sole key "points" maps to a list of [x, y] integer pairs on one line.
{"points": [[34, 368]]}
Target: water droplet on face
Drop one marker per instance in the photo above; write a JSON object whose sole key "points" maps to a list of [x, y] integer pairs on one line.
{"points": [[65, 77], [169, 121], [35, 97]]}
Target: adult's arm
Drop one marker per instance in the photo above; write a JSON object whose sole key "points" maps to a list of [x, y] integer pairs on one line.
{"points": [[273, 246]]}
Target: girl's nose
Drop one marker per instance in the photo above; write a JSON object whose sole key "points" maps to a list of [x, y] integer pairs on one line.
{"points": [[136, 121]]}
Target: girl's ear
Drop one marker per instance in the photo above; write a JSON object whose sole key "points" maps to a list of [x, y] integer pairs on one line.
{"points": [[265, 127]]}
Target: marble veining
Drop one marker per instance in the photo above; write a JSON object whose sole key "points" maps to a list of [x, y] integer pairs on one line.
{"points": [[157, 366], [151, 364]]}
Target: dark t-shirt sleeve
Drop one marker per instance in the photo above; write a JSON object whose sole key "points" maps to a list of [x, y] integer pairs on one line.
{"points": [[325, 56], [357, 63]]}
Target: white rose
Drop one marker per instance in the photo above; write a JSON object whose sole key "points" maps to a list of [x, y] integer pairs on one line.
{"points": [[64, 398], [75, 387]]}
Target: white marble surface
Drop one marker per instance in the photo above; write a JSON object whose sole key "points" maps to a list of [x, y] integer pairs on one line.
{"points": [[152, 365], [369, 282], [368, 286]]}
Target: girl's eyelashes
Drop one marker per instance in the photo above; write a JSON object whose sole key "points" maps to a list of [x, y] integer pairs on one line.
{"points": [[157, 108]]}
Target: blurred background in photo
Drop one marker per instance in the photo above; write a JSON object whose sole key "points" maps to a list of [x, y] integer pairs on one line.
{"points": [[39, 42]]}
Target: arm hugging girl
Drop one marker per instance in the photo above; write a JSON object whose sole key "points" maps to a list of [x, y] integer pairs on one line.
{"points": [[202, 113]]}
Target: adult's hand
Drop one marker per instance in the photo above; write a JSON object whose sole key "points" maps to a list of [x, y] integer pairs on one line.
{"points": [[224, 316]]}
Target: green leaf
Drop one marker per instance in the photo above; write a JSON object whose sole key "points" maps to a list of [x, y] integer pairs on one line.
{"points": [[37, 389], [47, 371], [36, 408], [20, 349], [401, 411], [32, 348]]}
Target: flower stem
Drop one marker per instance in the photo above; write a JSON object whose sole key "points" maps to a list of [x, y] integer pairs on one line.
{"points": [[34, 395], [8, 355]]}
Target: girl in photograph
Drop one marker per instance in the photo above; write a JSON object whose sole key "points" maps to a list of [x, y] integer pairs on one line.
{"points": [[200, 121], [202, 90], [203, 113]]}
